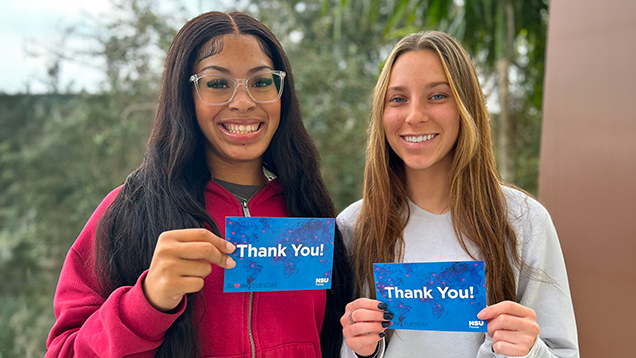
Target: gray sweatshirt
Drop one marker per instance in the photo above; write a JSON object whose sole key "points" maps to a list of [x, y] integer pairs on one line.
{"points": [[429, 238]]}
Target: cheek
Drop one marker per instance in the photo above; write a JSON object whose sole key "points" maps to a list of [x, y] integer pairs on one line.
{"points": [[199, 108], [455, 128], [273, 113], [390, 122]]}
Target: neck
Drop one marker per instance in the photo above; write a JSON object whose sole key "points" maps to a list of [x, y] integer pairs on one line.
{"points": [[246, 173], [430, 188]]}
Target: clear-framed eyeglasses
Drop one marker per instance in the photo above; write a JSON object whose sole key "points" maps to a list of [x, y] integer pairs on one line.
{"points": [[220, 89]]}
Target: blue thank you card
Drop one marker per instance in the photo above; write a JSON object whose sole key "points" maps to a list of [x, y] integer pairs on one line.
{"points": [[433, 296], [279, 254]]}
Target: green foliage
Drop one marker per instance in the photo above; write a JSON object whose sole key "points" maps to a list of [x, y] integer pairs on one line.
{"points": [[66, 153], [60, 154], [489, 30], [335, 69]]}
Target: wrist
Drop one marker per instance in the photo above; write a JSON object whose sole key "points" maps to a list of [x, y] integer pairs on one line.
{"points": [[379, 350]]}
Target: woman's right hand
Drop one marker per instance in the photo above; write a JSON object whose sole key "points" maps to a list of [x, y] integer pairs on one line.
{"points": [[364, 324], [181, 261]]}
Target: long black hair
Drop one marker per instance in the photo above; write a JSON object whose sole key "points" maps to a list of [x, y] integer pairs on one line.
{"points": [[166, 192]]}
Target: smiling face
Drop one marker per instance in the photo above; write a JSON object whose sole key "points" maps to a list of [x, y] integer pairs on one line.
{"points": [[240, 131], [421, 118]]}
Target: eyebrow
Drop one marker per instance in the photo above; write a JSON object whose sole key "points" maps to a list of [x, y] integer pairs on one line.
{"points": [[430, 85], [227, 71], [435, 84]]}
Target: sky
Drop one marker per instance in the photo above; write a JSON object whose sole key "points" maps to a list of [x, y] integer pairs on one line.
{"points": [[28, 27]]}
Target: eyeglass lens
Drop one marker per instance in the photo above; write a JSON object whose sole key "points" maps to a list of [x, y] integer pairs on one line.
{"points": [[217, 88]]}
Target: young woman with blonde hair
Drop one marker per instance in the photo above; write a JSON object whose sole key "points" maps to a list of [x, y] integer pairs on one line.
{"points": [[432, 193]]}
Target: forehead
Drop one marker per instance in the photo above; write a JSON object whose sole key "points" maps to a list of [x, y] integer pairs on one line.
{"points": [[236, 53], [421, 65]]}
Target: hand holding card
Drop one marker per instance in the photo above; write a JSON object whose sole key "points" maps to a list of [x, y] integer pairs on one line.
{"points": [[181, 261], [364, 324], [512, 327]]}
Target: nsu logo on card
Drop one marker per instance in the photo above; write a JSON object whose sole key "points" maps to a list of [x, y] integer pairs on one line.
{"points": [[475, 324], [321, 281]]}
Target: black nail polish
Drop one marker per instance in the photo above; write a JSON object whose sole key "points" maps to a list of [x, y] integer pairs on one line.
{"points": [[386, 324], [382, 335], [382, 306], [388, 315]]}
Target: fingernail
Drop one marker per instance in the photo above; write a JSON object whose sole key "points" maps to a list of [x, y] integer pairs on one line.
{"points": [[229, 263], [388, 315], [385, 324], [230, 246], [382, 306], [382, 335]]}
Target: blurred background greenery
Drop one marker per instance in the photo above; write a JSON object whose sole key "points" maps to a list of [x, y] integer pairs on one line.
{"points": [[62, 151]]}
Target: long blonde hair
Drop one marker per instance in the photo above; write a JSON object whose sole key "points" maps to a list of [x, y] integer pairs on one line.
{"points": [[477, 203]]}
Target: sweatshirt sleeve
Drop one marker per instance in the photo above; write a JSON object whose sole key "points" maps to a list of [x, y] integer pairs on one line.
{"points": [[90, 325], [542, 283]]}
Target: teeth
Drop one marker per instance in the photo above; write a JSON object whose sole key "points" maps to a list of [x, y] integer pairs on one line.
{"points": [[419, 139], [241, 128]]}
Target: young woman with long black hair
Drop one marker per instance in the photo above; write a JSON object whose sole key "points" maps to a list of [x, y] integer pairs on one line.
{"points": [[144, 278]]}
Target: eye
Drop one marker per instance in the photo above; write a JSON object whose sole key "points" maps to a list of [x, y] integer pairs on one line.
{"points": [[397, 99], [217, 83], [438, 96], [262, 82]]}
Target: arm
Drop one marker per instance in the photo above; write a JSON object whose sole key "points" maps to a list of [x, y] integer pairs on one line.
{"points": [[367, 336], [132, 320], [89, 325], [542, 287]]}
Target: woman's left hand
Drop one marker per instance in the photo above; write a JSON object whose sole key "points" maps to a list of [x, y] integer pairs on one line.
{"points": [[512, 327]]}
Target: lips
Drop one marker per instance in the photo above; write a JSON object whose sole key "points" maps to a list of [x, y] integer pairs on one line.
{"points": [[236, 128], [419, 138]]}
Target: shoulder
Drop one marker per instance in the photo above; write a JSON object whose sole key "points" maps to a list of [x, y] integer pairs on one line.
{"points": [[84, 243], [536, 234], [524, 208], [346, 221], [104, 205], [350, 214]]}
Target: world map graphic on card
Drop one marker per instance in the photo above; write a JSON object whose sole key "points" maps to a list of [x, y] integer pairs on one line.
{"points": [[279, 254], [433, 296]]}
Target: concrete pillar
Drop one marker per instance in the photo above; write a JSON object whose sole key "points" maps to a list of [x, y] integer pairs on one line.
{"points": [[588, 164]]}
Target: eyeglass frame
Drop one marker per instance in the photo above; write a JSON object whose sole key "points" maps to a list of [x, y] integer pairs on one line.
{"points": [[239, 81]]}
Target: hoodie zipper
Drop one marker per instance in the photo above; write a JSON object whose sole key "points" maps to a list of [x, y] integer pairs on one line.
{"points": [[246, 213]]}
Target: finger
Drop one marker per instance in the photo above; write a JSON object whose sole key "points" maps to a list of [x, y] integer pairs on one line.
{"points": [[366, 303], [198, 268], [366, 315], [363, 345], [363, 329], [205, 251], [191, 284], [174, 288], [174, 252], [512, 323], [188, 235], [505, 307], [383, 319], [510, 349], [520, 339]]}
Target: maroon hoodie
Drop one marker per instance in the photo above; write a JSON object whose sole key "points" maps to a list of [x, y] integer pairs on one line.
{"points": [[275, 324]]}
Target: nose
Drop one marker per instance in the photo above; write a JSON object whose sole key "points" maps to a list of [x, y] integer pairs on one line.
{"points": [[417, 114], [242, 100]]}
